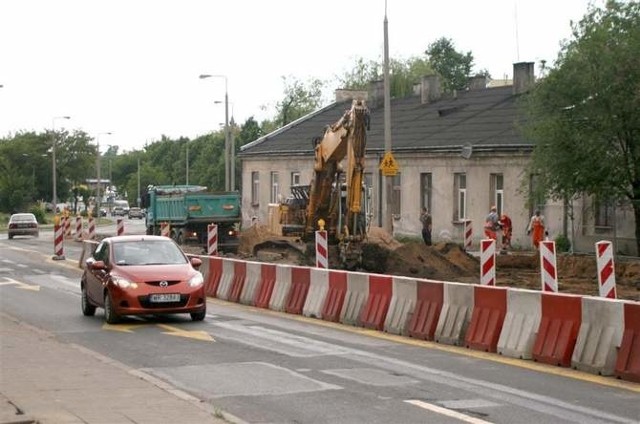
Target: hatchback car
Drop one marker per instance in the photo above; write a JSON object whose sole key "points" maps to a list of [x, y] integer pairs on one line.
{"points": [[142, 275], [23, 224]]}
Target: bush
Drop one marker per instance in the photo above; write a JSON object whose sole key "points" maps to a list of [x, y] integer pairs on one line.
{"points": [[38, 211], [562, 243]]}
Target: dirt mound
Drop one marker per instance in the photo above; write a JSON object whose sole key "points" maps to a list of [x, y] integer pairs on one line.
{"points": [[252, 236], [379, 236]]}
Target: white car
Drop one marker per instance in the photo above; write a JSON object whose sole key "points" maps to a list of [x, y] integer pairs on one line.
{"points": [[23, 224]]}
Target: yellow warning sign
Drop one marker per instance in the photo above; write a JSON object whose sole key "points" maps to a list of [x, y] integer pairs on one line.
{"points": [[389, 166]]}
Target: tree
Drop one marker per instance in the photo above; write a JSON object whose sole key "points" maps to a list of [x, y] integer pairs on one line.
{"points": [[300, 99], [583, 116], [454, 67]]}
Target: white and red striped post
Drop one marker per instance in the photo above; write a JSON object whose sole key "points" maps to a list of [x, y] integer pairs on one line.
{"points": [[92, 228], [119, 226], [548, 266], [78, 227], [67, 226], [212, 240], [468, 234], [606, 270], [322, 251], [165, 229], [488, 262], [58, 239]]}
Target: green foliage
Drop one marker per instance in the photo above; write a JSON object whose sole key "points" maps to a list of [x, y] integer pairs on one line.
{"points": [[38, 211], [300, 99], [562, 243], [454, 67], [584, 117]]}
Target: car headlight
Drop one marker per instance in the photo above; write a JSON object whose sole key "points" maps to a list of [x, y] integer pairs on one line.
{"points": [[123, 283], [196, 280]]}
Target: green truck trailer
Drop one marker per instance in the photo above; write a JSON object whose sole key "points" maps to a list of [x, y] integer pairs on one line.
{"points": [[189, 209]]}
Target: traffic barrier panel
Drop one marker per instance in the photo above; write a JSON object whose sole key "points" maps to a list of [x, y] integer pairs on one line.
{"points": [[318, 287], [226, 281], [79, 228], [558, 331], [521, 323], [251, 282], [92, 228], [300, 279], [355, 297], [600, 335], [281, 288], [468, 235], [488, 262], [403, 300], [548, 266], [265, 286], [426, 313], [628, 361], [212, 239], [322, 250], [88, 247], [237, 283], [489, 310], [120, 227], [213, 276], [67, 226], [606, 270], [334, 300], [58, 240], [457, 304], [376, 306]]}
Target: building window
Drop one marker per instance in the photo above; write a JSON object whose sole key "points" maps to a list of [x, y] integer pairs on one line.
{"points": [[497, 192], [604, 211], [396, 194], [425, 190], [295, 178], [255, 188], [275, 188], [460, 194]]}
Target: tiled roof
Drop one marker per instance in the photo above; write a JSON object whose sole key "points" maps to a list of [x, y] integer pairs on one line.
{"points": [[485, 118]]}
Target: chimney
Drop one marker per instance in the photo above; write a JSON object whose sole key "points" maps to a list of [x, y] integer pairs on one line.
{"points": [[344, 95], [376, 94], [479, 82], [431, 89], [523, 77]]}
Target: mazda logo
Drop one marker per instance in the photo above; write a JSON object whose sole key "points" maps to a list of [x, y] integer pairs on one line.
{"points": [[164, 284]]}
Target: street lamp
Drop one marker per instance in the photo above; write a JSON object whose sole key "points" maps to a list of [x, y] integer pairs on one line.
{"points": [[53, 160], [228, 165], [98, 196]]}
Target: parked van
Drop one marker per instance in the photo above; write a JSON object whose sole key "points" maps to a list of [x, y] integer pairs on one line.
{"points": [[120, 208]]}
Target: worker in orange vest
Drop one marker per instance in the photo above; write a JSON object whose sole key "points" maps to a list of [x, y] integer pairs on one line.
{"points": [[507, 229], [537, 229]]}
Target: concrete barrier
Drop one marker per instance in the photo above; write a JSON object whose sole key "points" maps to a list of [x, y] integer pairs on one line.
{"points": [[281, 288], [237, 284], [226, 280], [489, 310], [426, 313], [628, 362], [376, 306], [266, 285], [600, 335], [558, 331], [318, 288], [334, 300], [251, 282], [521, 323], [455, 314], [403, 300], [300, 279], [355, 297], [213, 276]]}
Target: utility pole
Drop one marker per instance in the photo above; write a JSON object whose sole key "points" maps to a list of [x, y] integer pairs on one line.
{"points": [[387, 214]]}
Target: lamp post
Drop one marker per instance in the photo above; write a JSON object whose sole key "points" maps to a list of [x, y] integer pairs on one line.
{"points": [[98, 182], [53, 160], [227, 165]]}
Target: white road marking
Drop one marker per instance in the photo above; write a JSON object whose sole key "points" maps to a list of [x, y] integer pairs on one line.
{"points": [[447, 412], [23, 266], [6, 269]]}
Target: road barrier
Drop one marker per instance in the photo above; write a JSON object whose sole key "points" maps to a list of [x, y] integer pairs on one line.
{"points": [[521, 323], [489, 310], [376, 306], [403, 301], [426, 313], [318, 288], [606, 270], [266, 285], [251, 283], [237, 283], [120, 227], [336, 293], [228, 274], [67, 227], [212, 239], [548, 267], [558, 331], [355, 297], [281, 288], [79, 228], [628, 361], [468, 235], [298, 290], [322, 250], [455, 315], [212, 280], [58, 240], [488, 262], [92, 228]]}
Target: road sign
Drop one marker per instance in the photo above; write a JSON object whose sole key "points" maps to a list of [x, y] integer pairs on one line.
{"points": [[389, 166]]}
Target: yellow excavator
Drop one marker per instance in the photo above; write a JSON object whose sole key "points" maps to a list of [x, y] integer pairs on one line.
{"points": [[337, 197]]}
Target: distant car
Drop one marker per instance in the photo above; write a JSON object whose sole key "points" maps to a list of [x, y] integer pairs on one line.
{"points": [[118, 211], [135, 212], [142, 275], [23, 224]]}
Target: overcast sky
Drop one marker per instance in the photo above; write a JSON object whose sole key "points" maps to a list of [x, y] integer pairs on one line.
{"points": [[131, 67]]}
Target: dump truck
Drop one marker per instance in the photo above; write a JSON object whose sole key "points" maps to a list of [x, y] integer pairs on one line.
{"points": [[189, 209]]}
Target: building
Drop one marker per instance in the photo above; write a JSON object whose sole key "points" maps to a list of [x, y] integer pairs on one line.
{"points": [[458, 154]]}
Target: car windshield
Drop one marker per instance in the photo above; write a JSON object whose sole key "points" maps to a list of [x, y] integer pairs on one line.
{"points": [[147, 252], [23, 217]]}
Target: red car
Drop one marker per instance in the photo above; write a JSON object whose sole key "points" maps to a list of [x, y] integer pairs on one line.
{"points": [[142, 275]]}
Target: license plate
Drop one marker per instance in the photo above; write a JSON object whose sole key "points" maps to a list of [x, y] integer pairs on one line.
{"points": [[164, 297]]}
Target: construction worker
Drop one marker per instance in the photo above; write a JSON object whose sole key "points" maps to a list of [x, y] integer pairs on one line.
{"points": [[537, 229], [491, 224], [507, 229]]}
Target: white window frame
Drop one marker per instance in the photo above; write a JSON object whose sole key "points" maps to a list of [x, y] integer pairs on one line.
{"points": [[460, 194], [255, 188], [275, 187]]}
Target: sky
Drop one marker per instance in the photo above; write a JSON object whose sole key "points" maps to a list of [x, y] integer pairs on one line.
{"points": [[131, 67]]}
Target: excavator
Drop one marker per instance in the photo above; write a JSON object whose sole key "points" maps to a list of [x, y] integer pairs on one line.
{"points": [[336, 200]]}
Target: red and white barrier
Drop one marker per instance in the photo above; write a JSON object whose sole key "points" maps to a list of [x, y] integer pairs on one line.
{"points": [[58, 240], [322, 251], [67, 226], [119, 226], [165, 229], [488, 262], [78, 227], [92, 228], [468, 234], [212, 240], [548, 266], [606, 270]]}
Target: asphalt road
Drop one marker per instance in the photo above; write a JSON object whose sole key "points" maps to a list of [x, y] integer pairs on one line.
{"points": [[263, 366]]}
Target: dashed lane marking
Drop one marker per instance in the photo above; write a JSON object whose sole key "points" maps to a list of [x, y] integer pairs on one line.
{"points": [[447, 412]]}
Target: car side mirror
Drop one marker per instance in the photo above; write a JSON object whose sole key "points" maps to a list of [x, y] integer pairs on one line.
{"points": [[98, 265], [196, 262]]}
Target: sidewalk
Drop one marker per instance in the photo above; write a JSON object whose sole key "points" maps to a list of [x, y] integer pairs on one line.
{"points": [[45, 381]]}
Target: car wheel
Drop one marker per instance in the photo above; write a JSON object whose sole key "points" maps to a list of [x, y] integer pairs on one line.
{"points": [[88, 310], [198, 316], [10, 236], [110, 315]]}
